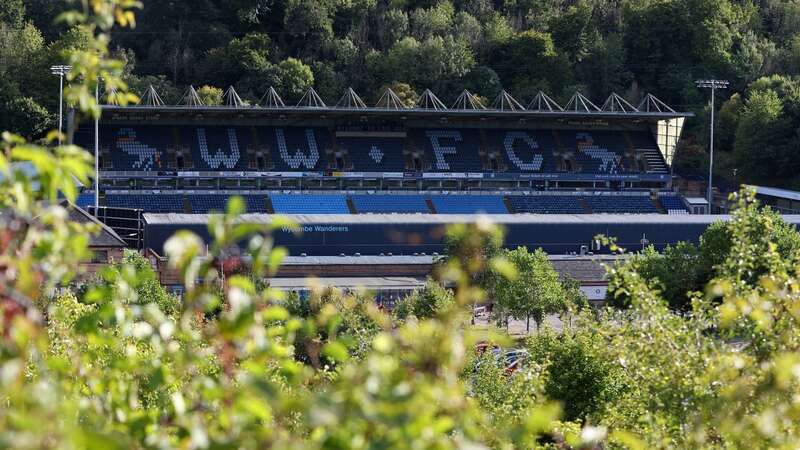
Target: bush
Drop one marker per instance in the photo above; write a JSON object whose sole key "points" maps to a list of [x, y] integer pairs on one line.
{"points": [[577, 374], [425, 303]]}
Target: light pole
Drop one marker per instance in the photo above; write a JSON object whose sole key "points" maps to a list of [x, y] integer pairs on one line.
{"points": [[97, 150], [713, 85], [61, 71]]}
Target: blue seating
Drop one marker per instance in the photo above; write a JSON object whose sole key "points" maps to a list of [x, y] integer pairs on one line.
{"points": [[135, 148], [450, 150], [374, 154], [469, 204], [304, 149], [672, 203], [85, 199], [256, 203], [621, 204], [524, 150], [390, 204], [598, 151], [309, 204], [153, 202], [202, 203], [546, 204], [297, 148], [206, 203]]}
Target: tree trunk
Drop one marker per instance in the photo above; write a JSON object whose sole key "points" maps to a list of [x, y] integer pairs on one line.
{"points": [[528, 324]]}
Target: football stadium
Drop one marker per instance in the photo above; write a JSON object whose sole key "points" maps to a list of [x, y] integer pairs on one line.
{"points": [[386, 180], [353, 176]]}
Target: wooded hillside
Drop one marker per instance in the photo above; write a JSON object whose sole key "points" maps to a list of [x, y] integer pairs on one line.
{"points": [[597, 46]]}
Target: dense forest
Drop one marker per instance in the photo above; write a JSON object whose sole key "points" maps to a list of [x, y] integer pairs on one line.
{"points": [[597, 46]]}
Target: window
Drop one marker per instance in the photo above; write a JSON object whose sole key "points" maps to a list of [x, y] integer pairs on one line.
{"points": [[100, 257]]}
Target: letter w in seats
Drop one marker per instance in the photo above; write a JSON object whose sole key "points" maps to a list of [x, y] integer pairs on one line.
{"points": [[299, 158]]}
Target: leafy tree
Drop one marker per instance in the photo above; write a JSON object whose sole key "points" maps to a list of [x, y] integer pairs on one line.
{"points": [[576, 371], [529, 62], [434, 21], [729, 114], [12, 12], [27, 117], [683, 269], [404, 92], [575, 298], [676, 274], [241, 57], [792, 55], [393, 26], [425, 303], [353, 321], [572, 31], [295, 78], [210, 95], [535, 293], [765, 143]]}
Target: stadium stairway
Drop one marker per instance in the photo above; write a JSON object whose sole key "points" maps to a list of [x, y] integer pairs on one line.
{"points": [[351, 206], [431, 206], [655, 162], [270, 207], [661, 209], [585, 205], [509, 205]]}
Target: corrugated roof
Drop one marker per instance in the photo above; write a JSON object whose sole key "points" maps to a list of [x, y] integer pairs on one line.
{"points": [[107, 237], [369, 260], [583, 268], [382, 283], [775, 192]]}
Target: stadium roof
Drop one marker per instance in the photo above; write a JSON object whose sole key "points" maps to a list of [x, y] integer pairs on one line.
{"points": [[389, 104], [382, 283], [776, 192]]}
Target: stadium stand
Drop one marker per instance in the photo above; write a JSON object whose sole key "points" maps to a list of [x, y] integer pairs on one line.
{"points": [[469, 204], [155, 202], [526, 151], [599, 151], [309, 204], [85, 199], [451, 150], [672, 204], [203, 204], [546, 204], [441, 203], [291, 149], [621, 204], [374, 154], [296, 148], [390, 204]]}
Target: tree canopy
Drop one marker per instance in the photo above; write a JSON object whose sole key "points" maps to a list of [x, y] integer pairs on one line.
{"points": [[521, 46]]}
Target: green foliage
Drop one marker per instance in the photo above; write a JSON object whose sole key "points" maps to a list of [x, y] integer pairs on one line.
{"points": [[683, 269], [575, 371], [521, 46], [295, 78], [27, 117], [536, 291], [126, 366], [506, 398], [334, 318], [763, 135], [210, 95], [425, 303]]}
